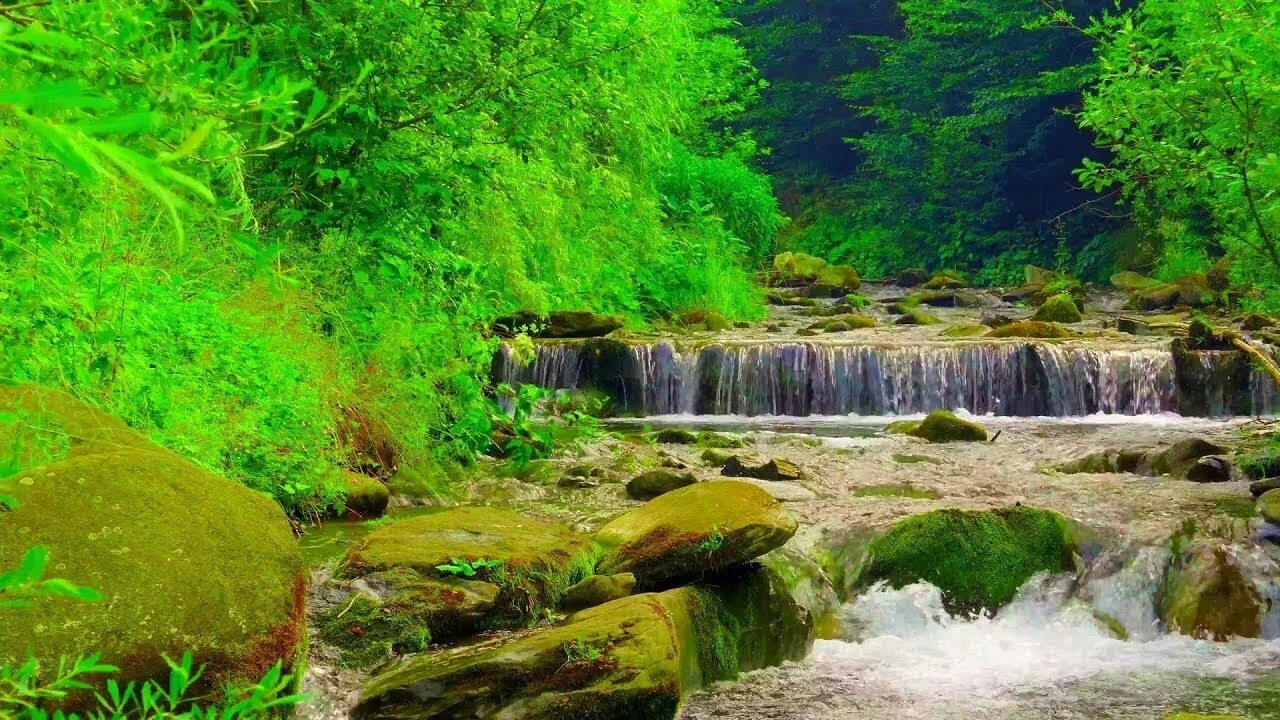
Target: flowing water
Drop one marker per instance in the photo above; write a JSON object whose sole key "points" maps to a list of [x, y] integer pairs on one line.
{"points": [[1045, 655], [1055, 651], [808, 378]]}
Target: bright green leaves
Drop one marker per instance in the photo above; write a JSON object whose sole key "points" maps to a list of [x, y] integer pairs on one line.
{"points": [[26, 582]]}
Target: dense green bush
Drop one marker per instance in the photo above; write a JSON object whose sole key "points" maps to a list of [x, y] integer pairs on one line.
{"points": [[271, 233]]}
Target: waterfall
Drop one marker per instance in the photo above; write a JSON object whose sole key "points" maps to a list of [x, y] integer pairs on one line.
{"points": [[805, 378]]}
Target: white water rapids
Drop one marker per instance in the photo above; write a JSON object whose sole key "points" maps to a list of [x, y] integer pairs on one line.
{"points": [[1046, 655]]}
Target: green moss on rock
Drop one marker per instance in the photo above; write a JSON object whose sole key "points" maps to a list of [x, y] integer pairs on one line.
{"points": [[1060, 308], [536, 560], [978, 559], [1269, 506], [1031, 329], [367, 497], [184, 559], [943, 426], [1206, 596], [965, 330], [694, 531]]}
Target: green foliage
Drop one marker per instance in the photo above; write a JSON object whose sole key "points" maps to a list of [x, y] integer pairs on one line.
{"points": [[26, 693], [239, 226], [466, 568], [580, 651], [26, 582], [1187, 104]]}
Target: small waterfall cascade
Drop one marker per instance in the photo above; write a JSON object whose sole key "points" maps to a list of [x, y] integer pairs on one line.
{"points": [[800, 379]]}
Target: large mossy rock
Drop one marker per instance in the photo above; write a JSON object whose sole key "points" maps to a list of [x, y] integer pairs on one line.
{"points": [[1031, 329], [1131, 281], [559, 324], [1060, 308], [1208, 597], [634, 658], [519, 566], [1269, 506], [184, 559], [943, 426], [1191, 290], [367, 497], [651, 484], [978, 559], [792, 268], [694, 531]]}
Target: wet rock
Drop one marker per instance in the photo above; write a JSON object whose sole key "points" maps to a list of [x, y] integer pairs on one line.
{"points": [[708, 320], [184, 559], [367, 497], [1059, 308], [798, 268], [531, 561], [1038, 275], [716, 440], [598, 590], [1181, 455], [633, 657], [1130, 281], [1134, 326], [649, 485], [995, 320], [558, 324], [1031, 329], [1021, 293], [577, 482], [788, 299], [934, 298], [844, 323], [811, 588], [691, 532], [806, 332], [1209, 469], [977, 559], [971, 299], [912, 277], [773, 469], [1259, 487], [1269, 506], [781, 491], [943, 426], [946, 280], [1191, 290], [917, 317], [716, 457], [773, 328], [1207, 596], [1253, 322], [1107, 461], [675, 436], [965, 331], [401, 612]]}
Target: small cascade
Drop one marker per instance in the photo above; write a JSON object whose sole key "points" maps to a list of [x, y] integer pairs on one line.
{"points": [[800, 379]]}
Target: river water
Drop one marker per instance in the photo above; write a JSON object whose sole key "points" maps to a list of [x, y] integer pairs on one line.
{"points": [[1044, 656]]}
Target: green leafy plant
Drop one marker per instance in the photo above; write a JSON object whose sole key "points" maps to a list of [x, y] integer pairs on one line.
{"points": [[580, 651], [467, 568], [20, 585], [25, 693], [713, 541]]}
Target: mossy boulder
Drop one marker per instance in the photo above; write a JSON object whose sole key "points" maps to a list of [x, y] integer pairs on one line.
{"points": [[558, 324], [946, 280], [651, 484], [844, 323], [1031, 329], [1161, 296], [367, 497], [721, 441], [531, 561], [797, 267], [836, 280], [1131, 281], [811, 588], [1269, 506], [675, 436], [636, 657], [912, 277], [1191, 290], [184, 559], [779, 469], [943, 426], [1118, 460], [917, 317], [1034, 275], [1206, 596], [978, 559], [902, 427], [689, 533], [401, 612], [598, 590], [709, 320], [1219, 276], [1060, 308], [965, 330]]}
